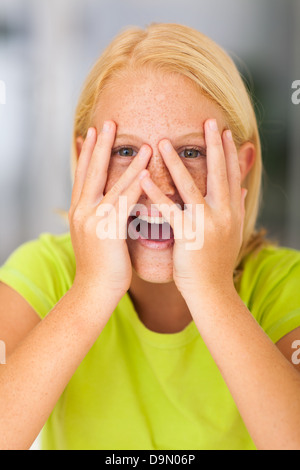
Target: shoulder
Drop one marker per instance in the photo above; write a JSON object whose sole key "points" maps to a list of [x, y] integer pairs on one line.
{"points": [[56, 247], [47, 245], [41, 270], [272, 264], [54, 251], [270, 287]]}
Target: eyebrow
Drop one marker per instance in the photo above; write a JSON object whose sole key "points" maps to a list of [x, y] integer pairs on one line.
{"points": [[134, 137]]}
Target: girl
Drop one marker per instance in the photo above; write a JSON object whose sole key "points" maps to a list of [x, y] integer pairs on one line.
{"points": [[154, 338]]}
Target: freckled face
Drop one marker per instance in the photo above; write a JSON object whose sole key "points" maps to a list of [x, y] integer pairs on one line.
{"points": [[149, 109]]}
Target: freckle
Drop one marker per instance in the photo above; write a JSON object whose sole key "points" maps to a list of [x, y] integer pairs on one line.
{"points": [[160, 97]]}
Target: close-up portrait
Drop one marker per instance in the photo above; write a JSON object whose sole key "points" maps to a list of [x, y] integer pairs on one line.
{"points": [[150, 227]]}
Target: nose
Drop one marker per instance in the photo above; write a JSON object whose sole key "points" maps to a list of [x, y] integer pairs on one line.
{"points": [[160, 174]]}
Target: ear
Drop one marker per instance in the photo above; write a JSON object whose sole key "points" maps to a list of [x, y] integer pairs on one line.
{"points": [[247, 155], [79, 144]]}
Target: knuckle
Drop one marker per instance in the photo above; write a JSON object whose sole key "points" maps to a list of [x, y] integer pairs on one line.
{"points": [[77, 216], [227, 226], [227, 217], [221, 174], [190, 187], [81, 223], [116, 189], [92, 173]]}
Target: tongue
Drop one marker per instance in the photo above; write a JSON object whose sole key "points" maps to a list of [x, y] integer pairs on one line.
{"points": [[156, 231]]}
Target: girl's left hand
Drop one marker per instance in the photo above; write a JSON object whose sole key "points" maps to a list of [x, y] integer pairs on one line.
{"points": [[206, 248]]}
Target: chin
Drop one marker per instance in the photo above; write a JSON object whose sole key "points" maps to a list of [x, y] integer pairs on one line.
{"points": [[155, 267], [153, 276]]}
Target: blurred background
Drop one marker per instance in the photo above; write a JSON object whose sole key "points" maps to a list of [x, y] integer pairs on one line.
{"points": [[47, 47]]}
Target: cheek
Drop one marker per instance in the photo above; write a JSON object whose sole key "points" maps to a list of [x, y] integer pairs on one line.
{"points": [[200, 177]]}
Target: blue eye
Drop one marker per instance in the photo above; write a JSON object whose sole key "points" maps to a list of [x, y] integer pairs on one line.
{"points": [[194, 152], [124, 152]]}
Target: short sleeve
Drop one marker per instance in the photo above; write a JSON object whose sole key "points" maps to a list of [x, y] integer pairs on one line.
{"points": [[270, 288], [41, 271]]}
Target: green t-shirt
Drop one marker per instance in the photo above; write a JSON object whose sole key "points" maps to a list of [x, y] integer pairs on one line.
{"points": [[138, 389]]}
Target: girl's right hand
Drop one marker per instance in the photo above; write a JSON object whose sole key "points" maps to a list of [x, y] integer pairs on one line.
{"points": [[103, 264]]}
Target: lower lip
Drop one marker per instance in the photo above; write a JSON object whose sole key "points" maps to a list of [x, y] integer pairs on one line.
{"points": [[154, 244]]}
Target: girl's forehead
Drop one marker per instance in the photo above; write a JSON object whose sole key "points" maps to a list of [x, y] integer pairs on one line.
{"points": [[153, 101]]}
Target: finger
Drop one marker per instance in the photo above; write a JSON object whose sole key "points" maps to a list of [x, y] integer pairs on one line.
{"points": [[170, 211], [130, 197], [233, 168], [120, 212], [126, 202], [96, 176], [82, 166], [138, 164], [217, 182], [243, 210], [182, 178]]}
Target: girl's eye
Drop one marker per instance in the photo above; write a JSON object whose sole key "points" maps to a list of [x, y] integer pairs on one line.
{"points": [[193, 153], [187, 153], [124, 152]]}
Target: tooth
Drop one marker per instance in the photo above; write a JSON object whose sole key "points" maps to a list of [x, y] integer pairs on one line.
{"points": [[152, 220]]}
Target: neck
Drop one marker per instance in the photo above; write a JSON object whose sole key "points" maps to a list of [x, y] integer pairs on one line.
{"points": [[160, 307]]}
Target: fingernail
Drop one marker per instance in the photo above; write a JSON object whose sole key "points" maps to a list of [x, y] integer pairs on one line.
{"points": [[106, 126], [228, 134], [213, 125], [167, 146], [90, 132]]}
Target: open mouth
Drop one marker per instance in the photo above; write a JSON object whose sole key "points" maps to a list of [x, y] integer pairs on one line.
{"points": [[150, 228]]}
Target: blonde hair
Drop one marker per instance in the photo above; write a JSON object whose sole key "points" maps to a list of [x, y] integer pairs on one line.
{"points": [[169, 47]]}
